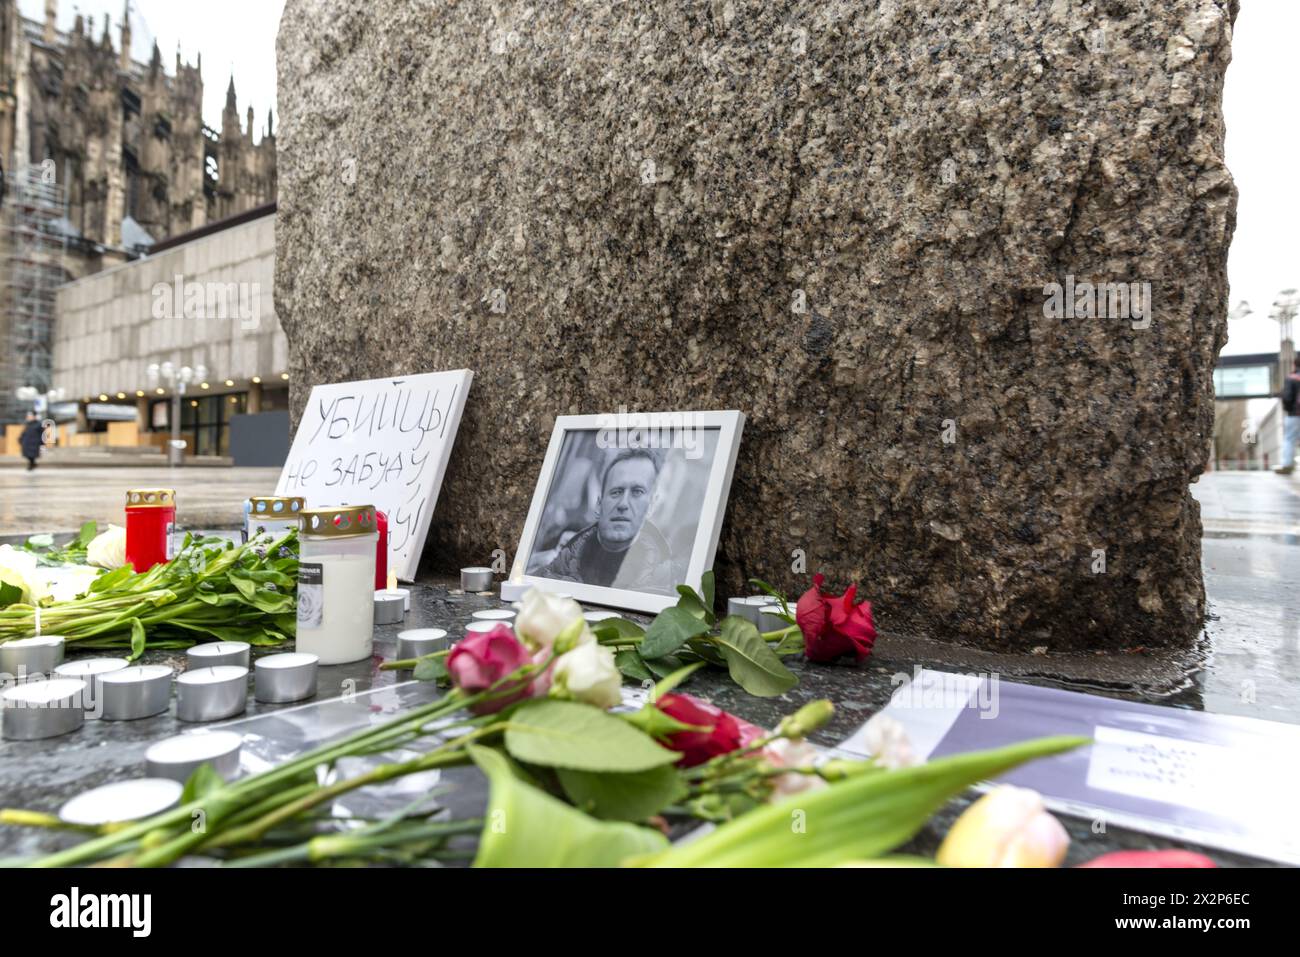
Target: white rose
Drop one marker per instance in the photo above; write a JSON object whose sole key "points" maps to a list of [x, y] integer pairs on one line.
{"points": [[543, 616], [787, 753], [108, 548], [18, 568], [888, 743], [588, 674]]}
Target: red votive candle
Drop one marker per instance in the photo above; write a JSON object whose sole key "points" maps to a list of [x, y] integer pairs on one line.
{"points": [[150, 519], [381, 551]]}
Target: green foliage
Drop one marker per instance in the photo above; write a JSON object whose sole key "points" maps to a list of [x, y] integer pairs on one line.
{"points": [[526, 827], [752, 664], [632, 796], [567, 734]]}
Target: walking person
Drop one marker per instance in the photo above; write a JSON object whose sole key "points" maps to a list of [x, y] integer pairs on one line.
{"points": [[1290, 424], [32, 439]]}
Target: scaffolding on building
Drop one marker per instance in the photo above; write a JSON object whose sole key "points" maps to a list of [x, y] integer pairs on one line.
{"points": [[33, 244]]}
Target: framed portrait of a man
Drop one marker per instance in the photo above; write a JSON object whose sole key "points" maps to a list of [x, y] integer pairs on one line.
{"points": [[629, 506]]}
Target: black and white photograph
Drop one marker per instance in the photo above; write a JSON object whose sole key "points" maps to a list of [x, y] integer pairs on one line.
{"points": [[628, 508]]}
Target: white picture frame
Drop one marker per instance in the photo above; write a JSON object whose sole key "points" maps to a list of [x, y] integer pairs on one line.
{"points": [[719, 432]]}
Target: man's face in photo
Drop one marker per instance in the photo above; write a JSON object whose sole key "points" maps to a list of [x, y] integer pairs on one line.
{"points": [[624, 501]]}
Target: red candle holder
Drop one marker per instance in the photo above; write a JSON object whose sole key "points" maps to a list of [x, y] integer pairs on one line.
{"points": [[381, 551], [150, 522]]}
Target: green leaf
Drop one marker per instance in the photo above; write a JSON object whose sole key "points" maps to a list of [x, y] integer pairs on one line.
{"points": [[612, 628], [631, 665], [707, 589], [859, 818], [88, 531], [137, 638], [665, 666], [623, 797], [752, 664], [525, 827], [10, 593], [671, 629], [112, 579], [202, 782], [567, 734], [37, 542], [690, 601], [656, 723], [431, 669], [673, 680]]}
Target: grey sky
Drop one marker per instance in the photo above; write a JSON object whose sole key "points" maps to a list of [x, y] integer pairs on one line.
{"points": [[236, 35]]}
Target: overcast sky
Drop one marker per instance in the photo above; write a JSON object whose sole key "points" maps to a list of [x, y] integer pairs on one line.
{"points": [[236, 35]]}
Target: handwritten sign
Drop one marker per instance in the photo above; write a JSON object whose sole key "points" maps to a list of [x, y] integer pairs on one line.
{"points": [[381, 442]]}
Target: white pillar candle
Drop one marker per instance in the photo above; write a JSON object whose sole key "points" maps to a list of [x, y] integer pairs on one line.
{"points": [[287, 677], [390, 608], [122, 801], [140, 691], [179, 757], [91, 670], [27, 657], [500, 614], [210, 694], [43, 709], [336, 618], [418, 642], [476, 579], [213, 653]]}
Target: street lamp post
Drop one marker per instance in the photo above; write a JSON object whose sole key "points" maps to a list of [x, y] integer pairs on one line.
{"points": [[177, 379]]}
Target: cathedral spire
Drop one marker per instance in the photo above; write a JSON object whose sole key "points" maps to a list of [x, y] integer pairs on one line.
{"points": [[50, 33], [124, 61], [230, 94]]}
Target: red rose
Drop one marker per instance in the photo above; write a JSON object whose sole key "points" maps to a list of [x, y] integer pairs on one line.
{"points": [[1171, 858], [723, 733], [832, 625], [481, 659]]}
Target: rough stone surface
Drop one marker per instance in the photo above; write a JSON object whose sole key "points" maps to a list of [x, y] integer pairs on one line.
{"points": [[838, 217]]}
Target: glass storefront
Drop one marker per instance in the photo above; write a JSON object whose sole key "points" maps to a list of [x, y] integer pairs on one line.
{"points": [[205, 421]]}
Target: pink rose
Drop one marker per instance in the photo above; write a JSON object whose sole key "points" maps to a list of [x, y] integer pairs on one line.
{"points": [[483, 659]]}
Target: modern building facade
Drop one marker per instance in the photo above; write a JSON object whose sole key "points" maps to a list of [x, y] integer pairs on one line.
{"points": [[201, 301]]}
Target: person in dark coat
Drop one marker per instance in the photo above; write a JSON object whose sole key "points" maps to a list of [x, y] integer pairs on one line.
{"points": [[32, 439]]}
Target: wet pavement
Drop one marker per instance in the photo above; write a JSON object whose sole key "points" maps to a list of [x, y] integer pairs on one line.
{"points": [[1247, 663]]}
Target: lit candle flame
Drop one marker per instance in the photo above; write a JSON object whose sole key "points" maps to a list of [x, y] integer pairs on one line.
{"points": [[392, 581]]}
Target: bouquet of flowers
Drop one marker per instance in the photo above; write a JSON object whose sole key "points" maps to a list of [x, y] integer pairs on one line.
{"points": [[576, 776]]}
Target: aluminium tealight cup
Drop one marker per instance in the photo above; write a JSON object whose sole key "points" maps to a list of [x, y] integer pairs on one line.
{"points": [[43, 709], [291, 676], [476, 579]]}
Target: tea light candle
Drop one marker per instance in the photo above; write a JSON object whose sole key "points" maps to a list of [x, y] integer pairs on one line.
{"points": [[210, 694], [748, 606], [499, 614], [137, 692], [31, 656], [389, 608], [92, 670], [480, 625], [769, 619], [43, 709], [476, 579], [213, 653], [418, 642], [122, 801], [392, 589], [287, 677], [179, 757], [595, 616]]}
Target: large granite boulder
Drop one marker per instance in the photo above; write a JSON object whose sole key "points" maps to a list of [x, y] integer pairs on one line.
{"points": [[839, 217]]}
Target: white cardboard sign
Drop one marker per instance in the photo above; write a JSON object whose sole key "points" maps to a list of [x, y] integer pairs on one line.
{"points": [[380, 442]]}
